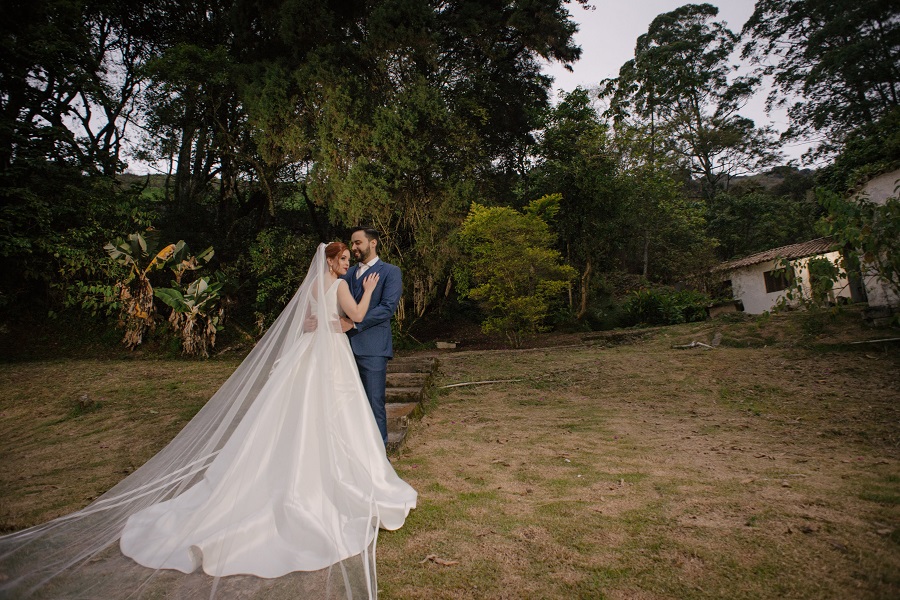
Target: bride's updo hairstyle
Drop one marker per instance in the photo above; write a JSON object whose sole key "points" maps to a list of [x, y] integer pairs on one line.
{"points": [[334, 249]]}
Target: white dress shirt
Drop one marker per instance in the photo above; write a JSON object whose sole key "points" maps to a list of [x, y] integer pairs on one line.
{"points": [[363, 267]]}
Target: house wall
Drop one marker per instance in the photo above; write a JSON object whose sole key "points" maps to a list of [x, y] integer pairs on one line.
{"points": [[878, 190], [878, 293], [749, 286]]}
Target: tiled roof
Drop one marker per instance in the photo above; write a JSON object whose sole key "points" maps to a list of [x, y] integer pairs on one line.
{"points": [[791, 252]]}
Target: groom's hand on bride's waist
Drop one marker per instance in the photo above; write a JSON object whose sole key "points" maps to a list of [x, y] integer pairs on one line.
{"points": [[346, 325]]}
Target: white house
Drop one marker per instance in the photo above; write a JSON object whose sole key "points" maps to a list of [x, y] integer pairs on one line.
{"points": [[878, 190], [759, 281]]}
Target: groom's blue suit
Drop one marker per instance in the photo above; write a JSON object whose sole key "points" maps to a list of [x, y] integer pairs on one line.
{"points": [[371, 340]]}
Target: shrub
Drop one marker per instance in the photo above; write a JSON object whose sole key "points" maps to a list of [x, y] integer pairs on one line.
{"points": [[511, 268], [665, 306]]}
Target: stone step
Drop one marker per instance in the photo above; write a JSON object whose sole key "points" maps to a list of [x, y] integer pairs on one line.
{"points": [[395, 440], [411, 364], [401, 380], [403, 394], [399, 413], [408, 379]]}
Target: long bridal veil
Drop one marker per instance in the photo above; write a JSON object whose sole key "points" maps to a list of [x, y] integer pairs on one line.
{"points": [[78, 555]]}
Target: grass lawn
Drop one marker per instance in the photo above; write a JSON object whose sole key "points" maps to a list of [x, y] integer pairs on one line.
{"points": [[768, 467]]}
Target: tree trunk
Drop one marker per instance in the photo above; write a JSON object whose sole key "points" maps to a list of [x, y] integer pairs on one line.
{"points": [[228, 182], [585, 285], [646, 269], [313, 214], [183, 166]]}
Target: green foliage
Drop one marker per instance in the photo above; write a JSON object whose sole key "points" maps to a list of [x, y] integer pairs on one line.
{"points": [[575, 161], [96, 299], [868, 151], [823, 274], [394, 114], [751, 218], [834, 62], [53, 224], [816, 296], [680, 90], [134, 291], [869, 229], [665, 306], [511, 268], [196, 314], [665, 228], [278, 262]]}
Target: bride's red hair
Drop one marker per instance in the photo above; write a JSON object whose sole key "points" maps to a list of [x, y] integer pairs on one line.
{"points": [[334, 249]]}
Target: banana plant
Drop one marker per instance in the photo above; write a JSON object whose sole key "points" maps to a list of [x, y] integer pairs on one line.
{"points": [[182, 260], [138, 252], [196, 314]]}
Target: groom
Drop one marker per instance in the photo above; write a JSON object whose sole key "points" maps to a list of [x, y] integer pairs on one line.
{"points": [[371, 338]]}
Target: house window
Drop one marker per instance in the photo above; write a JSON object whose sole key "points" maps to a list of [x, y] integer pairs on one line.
{"points": [[778, 279]]}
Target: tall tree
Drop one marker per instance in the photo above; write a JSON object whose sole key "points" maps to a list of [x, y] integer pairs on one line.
{"points": [[835, 63], [414, 110], [680, 88], [70, 75], [573, 158]]}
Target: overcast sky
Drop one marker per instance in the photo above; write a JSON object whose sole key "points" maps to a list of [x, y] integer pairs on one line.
{"points": [[608, 34]]}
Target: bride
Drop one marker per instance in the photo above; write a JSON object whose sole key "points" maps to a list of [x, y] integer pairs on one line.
{"points": [[276, 487]]}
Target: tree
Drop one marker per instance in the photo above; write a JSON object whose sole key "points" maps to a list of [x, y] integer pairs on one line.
{"points": [[617, 213], [573, 159], [664, 227], [70, 74], [397, 113], [411, 116], [679, 88], [751, 217], [512, 268], [869, 150], [196, 315], [835, 63]]}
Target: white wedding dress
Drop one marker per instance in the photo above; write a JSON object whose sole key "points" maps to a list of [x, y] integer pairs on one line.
{"points": [[282, 472], [296, 487]]}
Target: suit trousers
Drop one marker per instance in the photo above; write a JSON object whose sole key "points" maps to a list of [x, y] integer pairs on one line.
{"points": [[373, 372]]}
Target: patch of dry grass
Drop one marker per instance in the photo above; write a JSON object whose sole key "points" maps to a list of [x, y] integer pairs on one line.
{"points": [[71, 429], [766, 468], [640, 471]]}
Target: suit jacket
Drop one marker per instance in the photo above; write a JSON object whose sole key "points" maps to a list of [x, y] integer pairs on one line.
{"points": [[372, 336]]}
